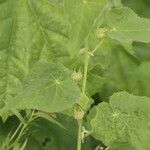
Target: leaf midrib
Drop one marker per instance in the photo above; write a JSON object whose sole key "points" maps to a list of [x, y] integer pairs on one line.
{"points": [[38, 23], [9, 47]]}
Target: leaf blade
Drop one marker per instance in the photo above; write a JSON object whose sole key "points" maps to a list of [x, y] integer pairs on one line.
{"points": [[127, 26], [125, 119], [47, 88]]}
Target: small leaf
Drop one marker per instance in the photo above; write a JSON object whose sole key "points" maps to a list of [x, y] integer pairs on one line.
{"points": [[85, 102], [80, 107]]}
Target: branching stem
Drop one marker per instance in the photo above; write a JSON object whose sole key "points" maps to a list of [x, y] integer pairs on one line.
{"points": [[20, 130]]}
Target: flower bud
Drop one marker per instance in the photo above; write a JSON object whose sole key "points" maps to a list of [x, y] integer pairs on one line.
{"points": [[77, 76]]}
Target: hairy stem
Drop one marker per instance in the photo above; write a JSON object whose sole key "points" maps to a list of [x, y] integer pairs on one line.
{"points": [[86, 63], [87, 56], [79, 134]]}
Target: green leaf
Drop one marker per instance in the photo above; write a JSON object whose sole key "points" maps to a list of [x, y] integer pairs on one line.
{"points": [[80, 108], [48, 88], [94, 83], [81, 15], [124, 121], [121, 74], [30, 30], [85, 102], [48, 117], [142, 51], [143, 72], [140, 7], [126, 26]]}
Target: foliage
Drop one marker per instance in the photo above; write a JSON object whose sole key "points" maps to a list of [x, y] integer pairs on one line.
{"points": [[123, 123], [74, 70]]}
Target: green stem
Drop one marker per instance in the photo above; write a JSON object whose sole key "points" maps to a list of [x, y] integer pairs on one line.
{"points": [[86, 63], [24, 126], [16, 131], [79, 134], [21, 130], [98, 46]]}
